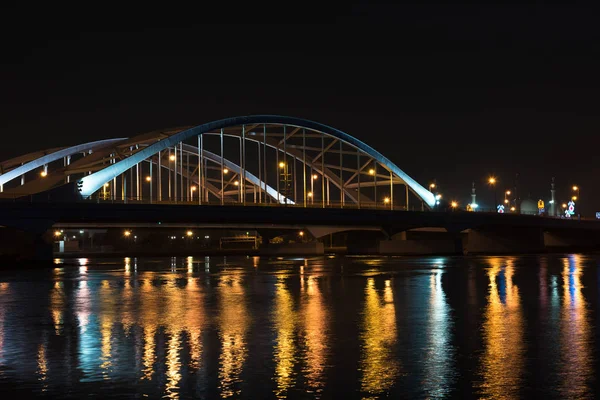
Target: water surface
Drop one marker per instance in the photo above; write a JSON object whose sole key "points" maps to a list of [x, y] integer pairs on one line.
{"points": [[343, 327]]}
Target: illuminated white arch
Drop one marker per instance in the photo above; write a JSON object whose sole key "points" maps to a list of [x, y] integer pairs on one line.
{"points": [[54, 156], [91, 183]]}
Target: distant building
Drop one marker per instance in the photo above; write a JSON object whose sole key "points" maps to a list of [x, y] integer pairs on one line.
{"points": [[529, 207]]}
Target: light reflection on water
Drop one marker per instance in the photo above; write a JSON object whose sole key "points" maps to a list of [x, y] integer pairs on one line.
{"points": [[502, 361], [378, 365], [576, 366], [302, 328]]}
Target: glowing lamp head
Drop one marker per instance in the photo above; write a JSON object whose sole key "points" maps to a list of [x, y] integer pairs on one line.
{"points": [[106, 185], [225, 171], [193, 188], [574, 198], [386, 200], [281, 164], [492, 180], [575, 188], [505, 201], [432, 186], [564, 205], [454, 204], [512, 209], [508, 192], [172, 157], [371, 171], [309, 194], [315, 177], [127, 233], [57, 233], [148, 179], [236, 183], [43, 174], [189, 233], [301, 233], [438, 196]]}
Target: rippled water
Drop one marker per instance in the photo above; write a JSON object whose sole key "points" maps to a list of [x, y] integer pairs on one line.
{"points": [[467, 327]]}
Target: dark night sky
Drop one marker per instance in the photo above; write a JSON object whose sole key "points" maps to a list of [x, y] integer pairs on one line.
{"points": [[447, 92]]}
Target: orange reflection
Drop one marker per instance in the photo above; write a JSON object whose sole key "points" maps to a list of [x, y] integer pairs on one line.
{"points": [[285, 324], [57, 305], [42, 366], [576, 357], [234, 322], [315, 327], [149, 353], [378, 364], [106, 333], [173, 365], [502, 362]]}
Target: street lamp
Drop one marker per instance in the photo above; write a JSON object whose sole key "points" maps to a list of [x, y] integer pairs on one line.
{"points": [[44, 174], [281, 164], [127, 233], [189, 233], [148, 179], [454, 204], [386, 200], [172, 157], [576, 189], [431, 186], [192, 190], [371, 171], [225, 171], [492, 182]]}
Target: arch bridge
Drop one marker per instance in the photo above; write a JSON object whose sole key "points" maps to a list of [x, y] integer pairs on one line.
{"points": [[252, 160]]}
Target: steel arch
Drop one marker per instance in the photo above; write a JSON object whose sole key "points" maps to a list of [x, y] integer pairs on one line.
{"points": [[91, 183]]}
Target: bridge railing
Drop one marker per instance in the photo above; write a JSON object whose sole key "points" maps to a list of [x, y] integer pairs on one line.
{"points": [[48, 198]]}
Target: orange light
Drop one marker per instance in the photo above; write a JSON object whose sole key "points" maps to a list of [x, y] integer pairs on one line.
{"points": [[315, 176], [57, 233], [236, 183], [575, 188], [309, 194], [43, 174], [386, 200], [281, 164], [127, 233], [189, 233], [225, 171], [508, 192], [454, 204], [193, 188], [148, 179], [371, 171], [492, 180], [301, 233]]}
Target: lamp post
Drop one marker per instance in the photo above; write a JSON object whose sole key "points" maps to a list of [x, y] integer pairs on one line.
{"points": [[492, 182], [192, 190], [577, 197]]}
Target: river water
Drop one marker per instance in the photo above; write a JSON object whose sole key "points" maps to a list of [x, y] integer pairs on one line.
{"points": [[332, 327]]}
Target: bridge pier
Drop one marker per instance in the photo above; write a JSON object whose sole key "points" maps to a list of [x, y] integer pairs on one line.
{"points": [[503, 240], [417, 243], [23, 247]]}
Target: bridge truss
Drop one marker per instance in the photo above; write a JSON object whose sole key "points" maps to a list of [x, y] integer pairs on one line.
{"points": [[267, 160]]}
